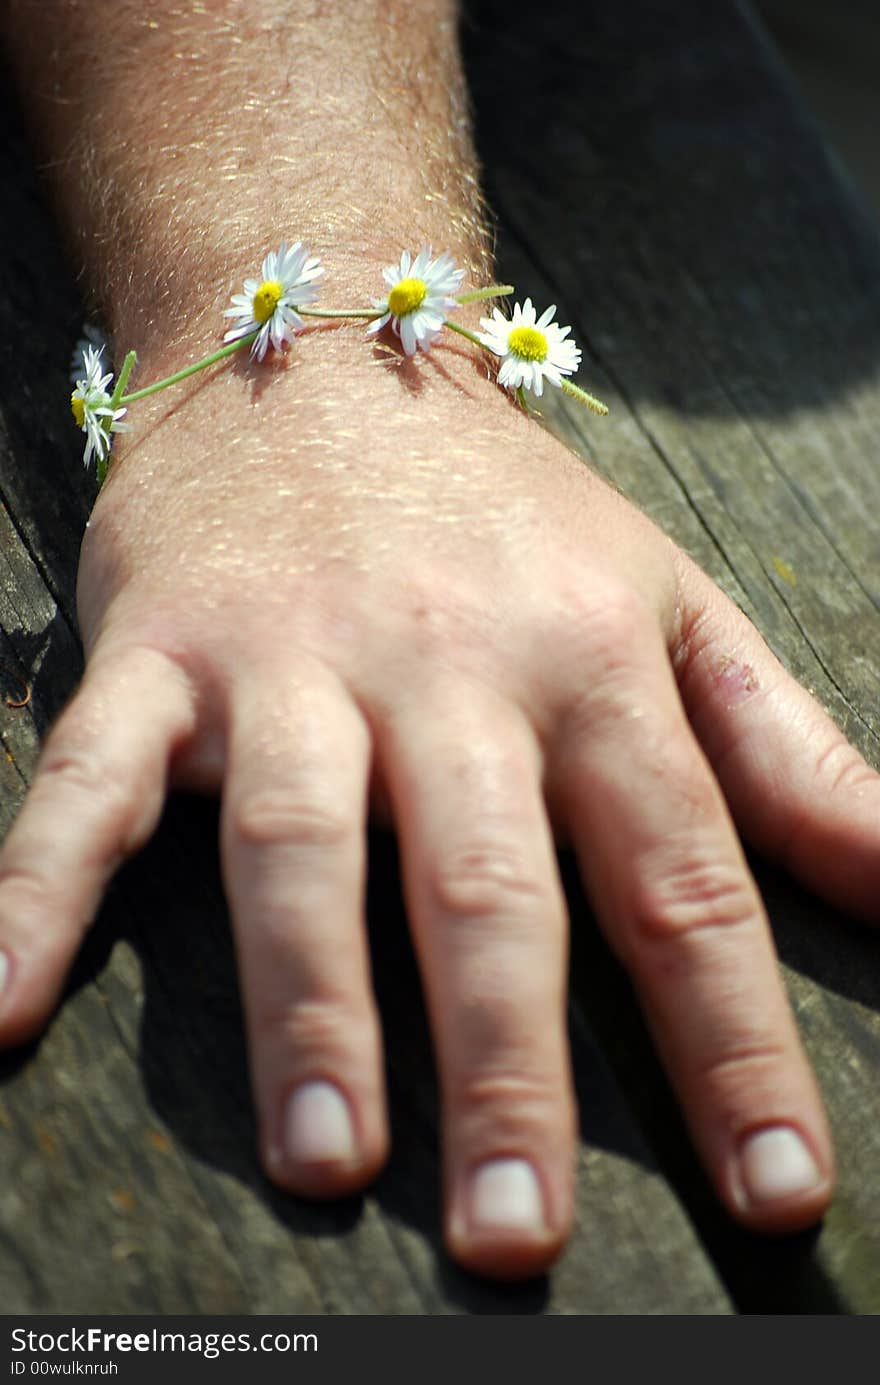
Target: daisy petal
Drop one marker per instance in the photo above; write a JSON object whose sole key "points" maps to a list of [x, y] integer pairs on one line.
{"points": [[408, 336]]}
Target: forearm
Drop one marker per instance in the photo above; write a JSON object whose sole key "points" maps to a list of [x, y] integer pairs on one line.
{"points": [[184, 141]]}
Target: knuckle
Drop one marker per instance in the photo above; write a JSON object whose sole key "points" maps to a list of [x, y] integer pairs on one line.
{"points": [[840, 768], [35, 904], [440, 615], [503, 1104], [22, 883], [610, 642], [503, 1088], [747, 1072], [610, 627], [80, 770], [273, 817], [101, 786], [687, 897], [312, 1026], [483, 881], [312, 1035], [700, 630]]}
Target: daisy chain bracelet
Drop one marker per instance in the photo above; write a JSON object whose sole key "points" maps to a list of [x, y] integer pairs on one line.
{"points": [[272, 310]]}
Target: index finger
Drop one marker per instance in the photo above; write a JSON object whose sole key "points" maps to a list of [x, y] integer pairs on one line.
{"points": [[672, 889]]}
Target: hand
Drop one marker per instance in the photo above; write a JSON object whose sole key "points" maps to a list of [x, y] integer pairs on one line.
{"points": [[365, 584]]}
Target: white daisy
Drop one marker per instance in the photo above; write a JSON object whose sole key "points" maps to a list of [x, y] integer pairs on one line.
{"points": [[531, 351], [287, 282], [421, 293], [90, 405]]}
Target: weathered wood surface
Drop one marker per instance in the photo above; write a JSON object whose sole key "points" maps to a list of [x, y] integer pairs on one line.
{"points": [[652, 173]]}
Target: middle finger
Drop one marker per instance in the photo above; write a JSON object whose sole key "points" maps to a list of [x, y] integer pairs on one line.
{"points": [[488, 919]]}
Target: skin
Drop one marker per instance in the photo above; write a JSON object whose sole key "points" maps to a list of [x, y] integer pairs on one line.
{"points": [[481, 642]]}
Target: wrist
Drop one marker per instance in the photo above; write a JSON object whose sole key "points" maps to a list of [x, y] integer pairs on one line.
{"points": [[332, 382], [169, 336]]}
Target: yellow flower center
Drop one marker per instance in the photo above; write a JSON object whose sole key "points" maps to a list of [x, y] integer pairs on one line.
{"points": [[78, 409], [266, 300], [528, 343], [406, 296]]}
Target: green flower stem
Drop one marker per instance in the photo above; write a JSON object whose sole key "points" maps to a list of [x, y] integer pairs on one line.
{"points": [[128, 366], [463, 332], [371, 313], [582, 397], [476, 296], [184, 374], [102, 464], [493, 291]]}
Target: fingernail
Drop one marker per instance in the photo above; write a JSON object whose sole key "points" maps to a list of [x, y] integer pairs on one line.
{"points": [[317, 1125], [505, 1195], [775, 1164], [4, 970]]}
